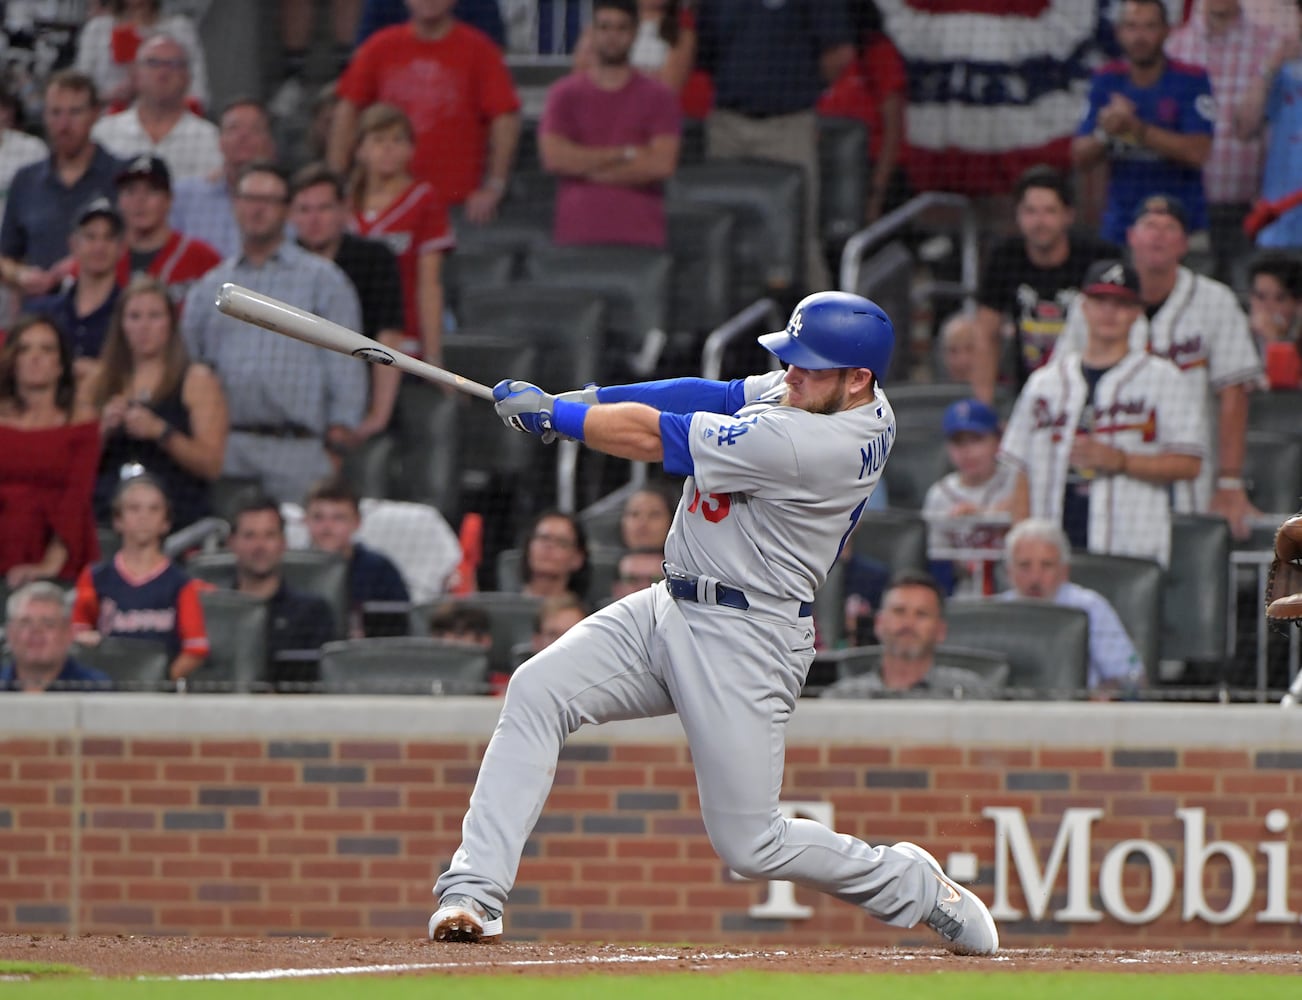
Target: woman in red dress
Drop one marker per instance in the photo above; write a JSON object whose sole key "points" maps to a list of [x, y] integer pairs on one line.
{"points": [[391, 206], [49, 453]]}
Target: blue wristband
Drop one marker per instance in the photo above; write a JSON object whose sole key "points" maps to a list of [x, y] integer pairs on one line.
{"points": [[568, 418]]}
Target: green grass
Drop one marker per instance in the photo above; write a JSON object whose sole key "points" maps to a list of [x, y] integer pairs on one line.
{"points": [[1008, 985], [39, 969]]}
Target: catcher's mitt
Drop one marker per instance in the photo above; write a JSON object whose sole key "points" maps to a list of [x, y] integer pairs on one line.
{"points": [[1284, 585]]}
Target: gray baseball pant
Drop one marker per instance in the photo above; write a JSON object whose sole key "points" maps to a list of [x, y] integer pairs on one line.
{"points": [[733, 677]]}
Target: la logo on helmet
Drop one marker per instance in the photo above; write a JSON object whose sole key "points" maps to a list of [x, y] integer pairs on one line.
{"points": [[797, 321]]}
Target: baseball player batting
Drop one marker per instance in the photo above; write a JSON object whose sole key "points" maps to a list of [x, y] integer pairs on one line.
{"points": [[779, 469]]}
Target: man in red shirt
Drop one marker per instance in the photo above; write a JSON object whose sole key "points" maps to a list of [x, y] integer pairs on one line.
{"points": [[153, 247], [612, 135], [453, 84]]}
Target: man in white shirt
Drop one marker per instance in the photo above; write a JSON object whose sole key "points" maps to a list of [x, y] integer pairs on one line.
{"points": [[1038, 559], [160, 122]]}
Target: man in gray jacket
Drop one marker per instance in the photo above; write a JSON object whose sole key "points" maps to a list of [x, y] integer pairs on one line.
{"points": [[909, 626]]}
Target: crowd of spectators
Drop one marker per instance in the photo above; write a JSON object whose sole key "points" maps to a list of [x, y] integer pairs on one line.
{"points": [[125, 396]]}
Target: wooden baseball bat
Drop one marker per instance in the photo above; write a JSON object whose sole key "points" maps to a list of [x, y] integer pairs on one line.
{"points": [[280, 317]]}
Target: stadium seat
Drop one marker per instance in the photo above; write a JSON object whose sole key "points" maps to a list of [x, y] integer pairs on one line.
{"points": [[700, 294], [829, 608], [843, 160], [227, 493], [886, 277], [1134, 588], [603, 571], [132, 664], [1195, 601], [1272, 469], [403, 665], [519, 227], [426, 452], [633, 282], [491, 453], [766, 200], [321, 573], [1046, 645], [566, 327], [993, 667], [237, 635], [486, 268], [917, 460], [368, 467], [691, 150], [1277, 410], [511, 616], [509, 568], [920, 406], [895, 538]]}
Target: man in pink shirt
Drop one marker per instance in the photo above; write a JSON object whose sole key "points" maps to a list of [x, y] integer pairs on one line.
{"points": [[1233, 49], [611, 134]]}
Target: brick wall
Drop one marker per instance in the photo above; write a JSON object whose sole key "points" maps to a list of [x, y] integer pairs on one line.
{"points": [[343, 835]]}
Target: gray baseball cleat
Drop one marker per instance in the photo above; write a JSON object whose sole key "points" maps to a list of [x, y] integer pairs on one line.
{"points": [[461, 918], [958, 916]]}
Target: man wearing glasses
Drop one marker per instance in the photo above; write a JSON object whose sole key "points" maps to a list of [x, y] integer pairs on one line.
{"points": [[291, 404], [39, 633], [160, 121]]}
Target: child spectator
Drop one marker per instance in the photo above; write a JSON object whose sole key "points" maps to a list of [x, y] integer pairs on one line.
{"points": [[140, 593], [969, 508], [391, 206], [556, 617], [333, 518], [1275, 293]]}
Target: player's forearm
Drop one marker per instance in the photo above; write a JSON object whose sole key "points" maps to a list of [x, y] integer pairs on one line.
{"points": [[1161, 470], [679, 395], [343, 132], [503, 137], [1190, 150], [625, 430], [568, 159], [1086, 151], [184, 665], [1232, 430]]}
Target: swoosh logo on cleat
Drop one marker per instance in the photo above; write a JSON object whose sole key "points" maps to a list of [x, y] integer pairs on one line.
{"points": [[953, 897]]}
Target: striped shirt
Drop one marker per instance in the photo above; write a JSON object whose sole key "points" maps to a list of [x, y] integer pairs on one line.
{"points": [[1233, 59]]}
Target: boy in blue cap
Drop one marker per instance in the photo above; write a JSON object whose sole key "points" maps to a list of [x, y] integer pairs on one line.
{"points": [[968, 508]]}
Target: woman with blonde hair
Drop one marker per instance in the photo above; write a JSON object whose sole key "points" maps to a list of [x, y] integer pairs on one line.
{"points": [[160, 412], [49, 450], [390, 205]]}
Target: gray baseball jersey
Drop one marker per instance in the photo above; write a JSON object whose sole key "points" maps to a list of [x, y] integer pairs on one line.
{"points": [[776, 491]]}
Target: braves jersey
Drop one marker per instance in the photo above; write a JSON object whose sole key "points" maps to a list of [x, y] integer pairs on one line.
{"points": [[162, 607], [1143, 406], [1180, 101], [415, 223], [969, 532], [774, 491], [1202, 329], [178, 264]]}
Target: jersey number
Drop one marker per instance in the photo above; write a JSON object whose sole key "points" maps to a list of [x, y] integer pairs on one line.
{"points": [[716, 506], [854, 520]]}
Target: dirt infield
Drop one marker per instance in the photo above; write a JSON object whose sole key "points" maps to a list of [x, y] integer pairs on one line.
{"points": [[129, 956]]}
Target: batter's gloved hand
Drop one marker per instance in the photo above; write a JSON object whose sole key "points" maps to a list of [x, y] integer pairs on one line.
{"points": [[524, 407], [587, 395]]}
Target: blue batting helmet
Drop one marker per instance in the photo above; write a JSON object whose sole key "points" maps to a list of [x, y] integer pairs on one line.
{"points": [[835, 330]]}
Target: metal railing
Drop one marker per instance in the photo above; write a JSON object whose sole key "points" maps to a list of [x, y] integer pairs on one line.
{"points": [[862, 243], [761, 310]]}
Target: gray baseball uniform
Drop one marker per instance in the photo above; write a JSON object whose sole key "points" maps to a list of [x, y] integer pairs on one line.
{"points": [[725, 643]]}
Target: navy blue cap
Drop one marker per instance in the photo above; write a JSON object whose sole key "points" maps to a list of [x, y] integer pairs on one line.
{"points": [[970, 416]]}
